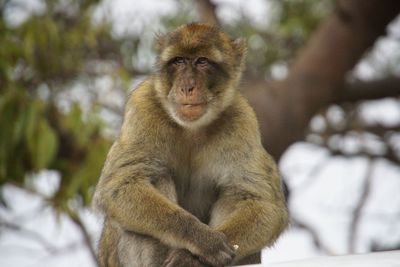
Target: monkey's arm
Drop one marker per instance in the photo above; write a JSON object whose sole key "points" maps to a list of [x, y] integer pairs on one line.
{"points": [[251, 211], [137, 206], [128, 198]]}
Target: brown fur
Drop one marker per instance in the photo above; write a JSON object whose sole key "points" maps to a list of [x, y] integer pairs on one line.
{"points": [[183, 193]]}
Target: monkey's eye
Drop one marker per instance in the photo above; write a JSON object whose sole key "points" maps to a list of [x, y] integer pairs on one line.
{"points": [[178, 60], [202, 61]]}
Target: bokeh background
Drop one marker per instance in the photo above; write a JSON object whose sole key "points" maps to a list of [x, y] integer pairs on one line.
{"points": [[323, 77]]}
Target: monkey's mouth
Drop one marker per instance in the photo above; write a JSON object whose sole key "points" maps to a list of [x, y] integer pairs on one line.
{"points": [[191, 111], [189, 105]]}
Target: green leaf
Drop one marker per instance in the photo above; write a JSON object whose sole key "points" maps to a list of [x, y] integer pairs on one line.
{"points": [[32, 117], [42, 145]]}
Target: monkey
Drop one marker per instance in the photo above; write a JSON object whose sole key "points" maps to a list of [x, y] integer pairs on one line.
{"points": [[187, 182]]}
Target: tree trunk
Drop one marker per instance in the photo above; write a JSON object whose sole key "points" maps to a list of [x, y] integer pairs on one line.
{"points": [[317, 76]]}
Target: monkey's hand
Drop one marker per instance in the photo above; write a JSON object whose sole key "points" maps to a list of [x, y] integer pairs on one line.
{"points": [[216, 250], [182, 258]]}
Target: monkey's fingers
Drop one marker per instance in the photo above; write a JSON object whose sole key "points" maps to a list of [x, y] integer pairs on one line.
{"points": [[221, 257], [182, 258], [222, 254]]}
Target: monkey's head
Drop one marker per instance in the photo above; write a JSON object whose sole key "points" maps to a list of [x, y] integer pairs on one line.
{"points": [[198, 70]]}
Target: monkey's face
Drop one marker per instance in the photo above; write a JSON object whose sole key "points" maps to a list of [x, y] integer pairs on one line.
{"points": [[198, 70], [191, 88]]}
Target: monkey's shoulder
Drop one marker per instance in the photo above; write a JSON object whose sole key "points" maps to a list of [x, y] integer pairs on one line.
{"points": [[143, 103], [144, 118], [142, 96], [244, 110], [238, 119]]}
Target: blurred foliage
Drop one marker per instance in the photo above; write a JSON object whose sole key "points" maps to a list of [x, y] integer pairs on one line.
{"points": [[40, 58], [50, 52], [290, 25]]}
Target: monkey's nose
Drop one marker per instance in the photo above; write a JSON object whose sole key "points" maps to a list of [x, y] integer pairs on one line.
{"points": [[188, 90]]}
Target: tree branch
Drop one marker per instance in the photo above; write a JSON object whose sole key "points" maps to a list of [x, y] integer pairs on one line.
{"points": [[355, 222], [389, 155], [74, 216], [314, 235], [207, 11], [117, 110], [317, 75], [371, 90], [29, 234]]}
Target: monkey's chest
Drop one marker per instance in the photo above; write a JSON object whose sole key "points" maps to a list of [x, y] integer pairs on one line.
{"points": [[196, 194]]}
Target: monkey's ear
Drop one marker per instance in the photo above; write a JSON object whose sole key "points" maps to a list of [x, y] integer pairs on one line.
{"points": [[240, 48], [160, 41]]}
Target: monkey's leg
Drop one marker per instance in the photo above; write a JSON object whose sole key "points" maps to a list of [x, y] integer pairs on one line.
{"points": [[120, 248], [108, 246], [137, 250]]}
